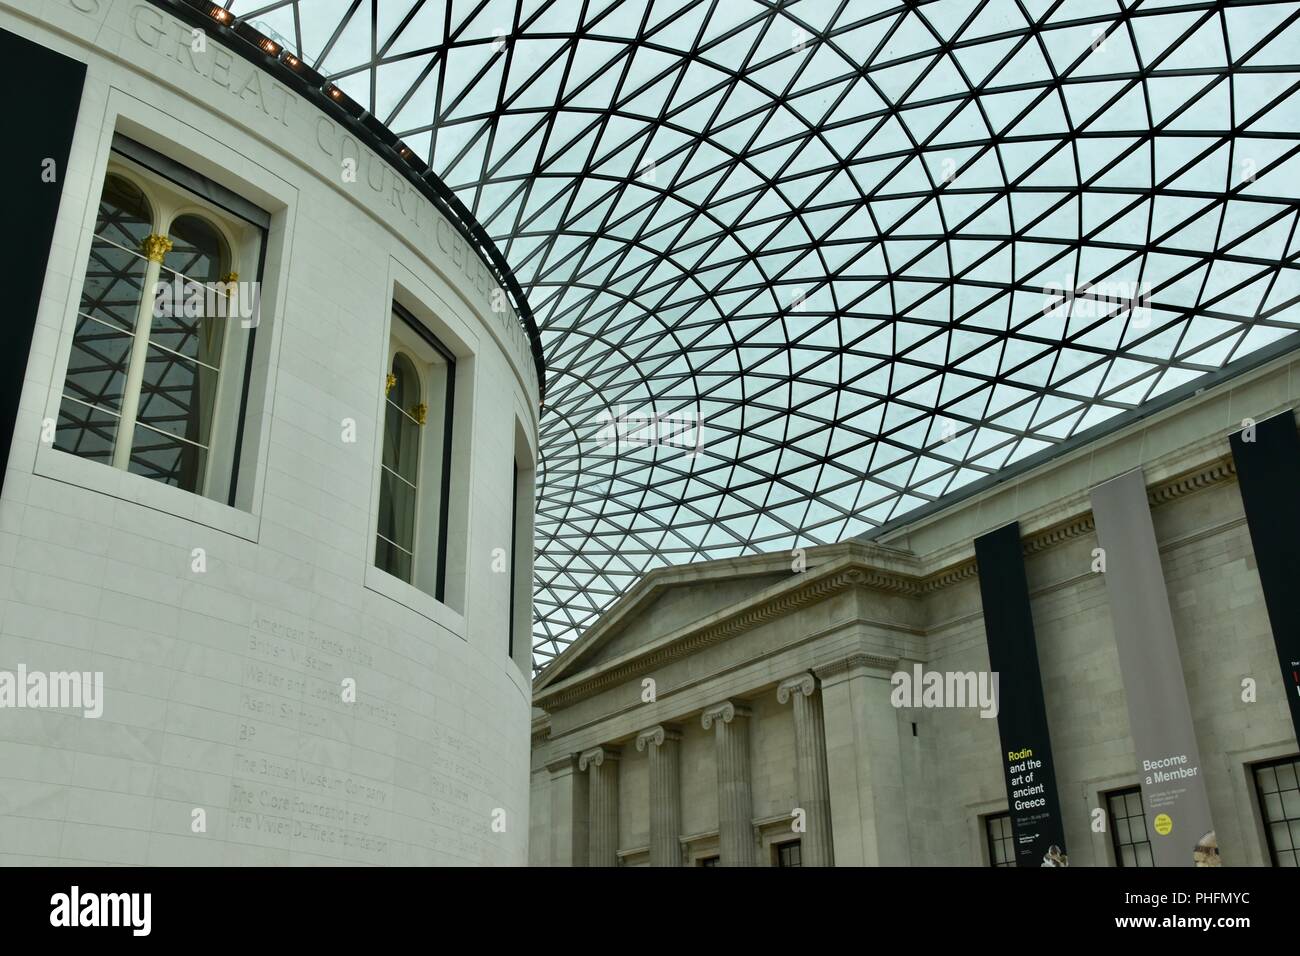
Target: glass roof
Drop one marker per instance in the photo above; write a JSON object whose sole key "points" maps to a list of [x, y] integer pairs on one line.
{"points": [[804, 267]]}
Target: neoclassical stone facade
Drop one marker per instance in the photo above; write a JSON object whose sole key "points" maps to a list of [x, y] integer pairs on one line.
{"points": [[748, 701]]}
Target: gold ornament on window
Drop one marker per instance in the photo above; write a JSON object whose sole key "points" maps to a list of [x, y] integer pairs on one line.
{"points": [[389, 382], [155, 247], [420, 413]]}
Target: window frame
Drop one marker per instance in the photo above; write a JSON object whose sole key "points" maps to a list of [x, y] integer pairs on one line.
{"points": [[172, 192], [418, 329], [400, 350], [1125, 792], [235, 205], [1268, 822], [511, 609], [991, 841], [522, 545], [787, 846]]}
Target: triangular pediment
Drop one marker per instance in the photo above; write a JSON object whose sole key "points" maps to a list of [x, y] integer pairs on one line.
{"points": [[663, 601]]}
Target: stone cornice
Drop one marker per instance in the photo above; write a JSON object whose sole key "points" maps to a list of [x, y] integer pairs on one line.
{"points": [[849, 572], [859, 659], [1078, 525], [688, 838], [1188, 482], [563, 763], [953, 574], [541, 726], [647, 589], [818, 588]]}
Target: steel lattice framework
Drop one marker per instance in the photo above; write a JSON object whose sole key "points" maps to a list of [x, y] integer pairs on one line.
{"points": [[874, 251]]}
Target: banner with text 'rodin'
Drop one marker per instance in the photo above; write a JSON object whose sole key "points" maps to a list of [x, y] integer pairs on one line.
{"points": [[1174, 798], [1039, 836]]}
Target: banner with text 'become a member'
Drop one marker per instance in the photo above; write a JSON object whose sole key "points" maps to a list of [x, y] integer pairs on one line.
{"points": [[1174, 798]]}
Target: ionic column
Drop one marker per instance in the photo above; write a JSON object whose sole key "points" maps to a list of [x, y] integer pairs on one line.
{"points": [[735, 801], [810, 767], [601, 765], [665, 794]]}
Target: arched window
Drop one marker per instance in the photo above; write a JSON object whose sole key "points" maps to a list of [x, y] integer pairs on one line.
{"points": [[142, 389], [125, 216], [404, 414], [197, 251], [106, 317], [413, 522]]}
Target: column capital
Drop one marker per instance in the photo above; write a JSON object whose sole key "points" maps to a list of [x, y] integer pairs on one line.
{"points": [[656, 735], [155, 247], [726, 711], [596, 756], [803, 683], [567, 763]]}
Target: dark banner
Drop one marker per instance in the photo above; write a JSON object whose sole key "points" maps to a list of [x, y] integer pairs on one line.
{"points": [[1022, 715], [1174, 798], [1267, 456], [33, 164]]}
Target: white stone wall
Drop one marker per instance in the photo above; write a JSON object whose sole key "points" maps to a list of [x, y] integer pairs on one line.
{"points": [[222, 688]]}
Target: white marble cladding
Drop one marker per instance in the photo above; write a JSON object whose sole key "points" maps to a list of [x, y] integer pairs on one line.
{"points": [[223, 688]]}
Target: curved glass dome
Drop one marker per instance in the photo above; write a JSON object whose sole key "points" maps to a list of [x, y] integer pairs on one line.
{"points": [[802, 271]]}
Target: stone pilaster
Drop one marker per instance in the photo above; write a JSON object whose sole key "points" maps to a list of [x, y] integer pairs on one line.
{"points": [[665, 794], [810, 768], [601, 765], [735, 800], [865, 762], [568, 812]]}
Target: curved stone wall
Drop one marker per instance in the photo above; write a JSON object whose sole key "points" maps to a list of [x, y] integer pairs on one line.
{"points": [[269, 696]]}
